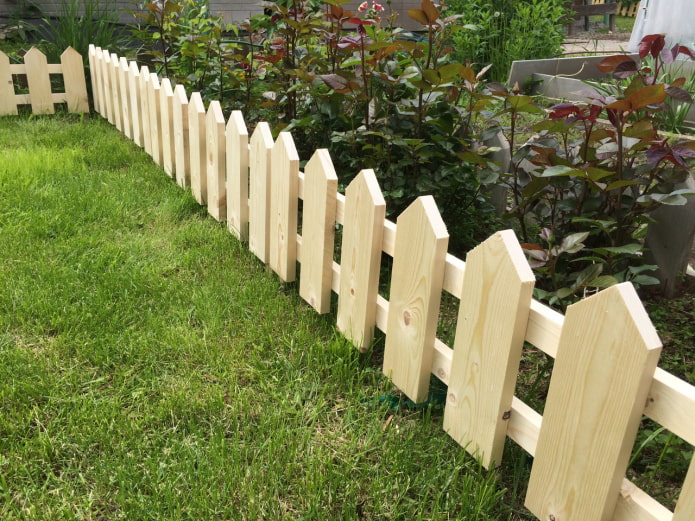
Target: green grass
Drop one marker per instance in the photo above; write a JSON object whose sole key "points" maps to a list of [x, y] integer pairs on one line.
{"points": [[152, 369]]}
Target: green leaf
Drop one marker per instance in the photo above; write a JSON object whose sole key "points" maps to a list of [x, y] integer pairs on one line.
{"points": [[630, 249], [604, 281], [645, 280], [558, 170], [573, 242]]}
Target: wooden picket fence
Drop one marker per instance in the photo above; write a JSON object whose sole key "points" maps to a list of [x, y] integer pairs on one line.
{"points": [[606, 350], [628, 9], [37, 71]]}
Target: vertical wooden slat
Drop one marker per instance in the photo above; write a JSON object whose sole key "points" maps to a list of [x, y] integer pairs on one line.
{"points": [[39, 82], [284, 200], [8, 106], [155, 119], [144, 91], [181, 147], [495, 303], [134, 103], [238, 176], [360, 260], [166, 107], [116, 91], [74, 81], [416, 289], [196, 142], [606, 358], [108, 84], [318, 231], [685, 508], [124, 84], [98, 87], [216, 166], [94, 76], [259, 190]]}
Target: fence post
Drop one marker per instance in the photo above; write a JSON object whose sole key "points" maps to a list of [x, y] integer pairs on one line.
{"points": [[39, 82], [237, 137], [155, 118], [94, 77], [605, 363], [416, 289], [259, 190], [144, 91], [166, 105], [216, 166], [115, 91], [360, 258], [181, 146], [196, 142], [134, 103], [318, 231], [495, 303], [284, 200], [124, 84], [7, 95]]}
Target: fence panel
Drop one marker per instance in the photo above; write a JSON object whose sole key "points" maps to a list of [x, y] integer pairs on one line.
{"points": [[237, 137], [216, 166], [259, 191], [360, 258], [182, 150], [498, 284], [166, 108], [196, 142], [592, 415], [416, 290], [284, 200], [318, 231]]}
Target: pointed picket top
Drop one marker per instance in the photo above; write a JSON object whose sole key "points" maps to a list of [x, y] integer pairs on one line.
{"points": [[216, 166], [284, 200], [495, 304], [145, 108], [259, 190], [74, 81], [93, 76], [40, 96], [591, 417], [116, 91], [181, 145], [134, 103], [8, 106], [197, 138], [124, 83], [166, 108], [238, 176], [155, 119], [108, 85], [416, 289], [360, 260], [318, 231]]}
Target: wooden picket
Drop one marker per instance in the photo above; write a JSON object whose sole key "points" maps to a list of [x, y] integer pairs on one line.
{"points": [[37, 71], [144, 103], [124, 85], [606, 347], [134, 103], [166, 104]]}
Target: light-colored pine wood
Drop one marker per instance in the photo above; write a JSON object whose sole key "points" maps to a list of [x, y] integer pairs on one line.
{"points": [[98, 83], [155, 119], [196, 143], [284, 200], [497, 291], [124, 86], [216, 165], [8, 106], [685, 508], [134, 102], [259, 190], [166, 105], [181, 147], [144, 91], [101, 83], [360, 259], [671, 403], [417, 277], [39, 82], [238, 176], [74, 80], [93, 76], [318, 231], [634, 504], [605, 363], [116, 91], [108, 84]]}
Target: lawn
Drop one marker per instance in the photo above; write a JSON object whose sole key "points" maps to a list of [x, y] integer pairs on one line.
{"points": [[152, 369]]}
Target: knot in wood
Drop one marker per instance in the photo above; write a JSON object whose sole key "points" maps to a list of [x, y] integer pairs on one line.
{"points": [[406, 318]]}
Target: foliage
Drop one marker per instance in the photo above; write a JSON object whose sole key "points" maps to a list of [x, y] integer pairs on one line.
{"points": [[79, 23], [587, 188], [508, 30]]}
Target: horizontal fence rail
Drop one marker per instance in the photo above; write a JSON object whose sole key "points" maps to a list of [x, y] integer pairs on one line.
{"points": [[37, 72], [605, 347]]}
